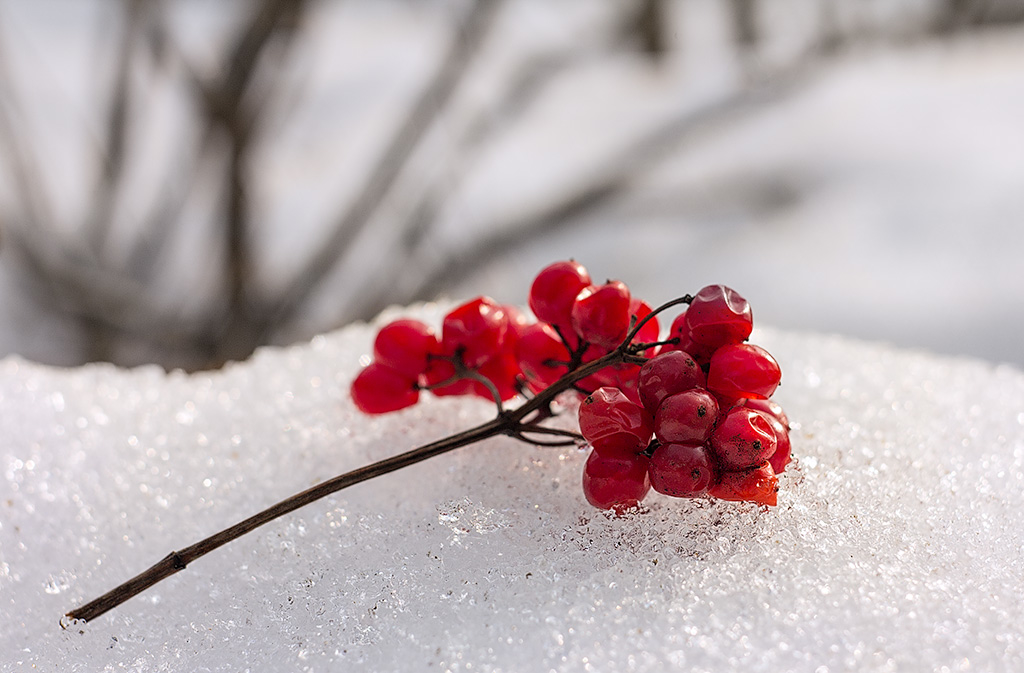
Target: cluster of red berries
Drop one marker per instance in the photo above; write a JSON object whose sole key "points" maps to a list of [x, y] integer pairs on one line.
{"points": [[687, 414]]}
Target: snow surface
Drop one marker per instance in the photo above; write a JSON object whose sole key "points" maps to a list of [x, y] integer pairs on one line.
{"points": [[898, 543]]}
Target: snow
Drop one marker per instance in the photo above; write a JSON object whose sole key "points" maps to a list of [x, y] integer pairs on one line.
{"points": [[897, 544]]}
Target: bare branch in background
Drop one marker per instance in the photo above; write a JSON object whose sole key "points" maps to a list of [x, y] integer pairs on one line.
{"points": [[460, 55]]}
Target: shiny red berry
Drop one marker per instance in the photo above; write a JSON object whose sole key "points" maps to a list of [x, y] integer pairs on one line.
{"points": [[718, 315], [682, 470], [615, 478], [681, 333], [406, 346], [666, 374], [755, 484], [554, 291], [503, 371], [440, 371], [686, 418], [600, 314], [743, 438], [539, 351], [378, 389], [608, 417], [476, 330], [770, 407], [780, 423], [743, 370], [651, 331]]}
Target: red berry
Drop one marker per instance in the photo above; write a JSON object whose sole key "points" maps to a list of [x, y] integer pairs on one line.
{"points": [[756, 484], [614, 478], [378, 389], [442, 370], [717, 316], [780, 423], [538, 349], [743, 438], [743, 370], [669, 373], [600, 314], [518, 323], [783, 448], [680, 331], [501, 370], [608, 417], [650, 332], [681, 470], [476, 329], [770, 407], [686, 418], [406, 346], [554, 290]]}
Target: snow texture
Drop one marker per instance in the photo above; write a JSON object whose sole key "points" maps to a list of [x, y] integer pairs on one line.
{"points": [[897, 544]]}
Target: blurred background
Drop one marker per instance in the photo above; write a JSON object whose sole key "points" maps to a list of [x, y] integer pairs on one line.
{"points": [[183, 181]]}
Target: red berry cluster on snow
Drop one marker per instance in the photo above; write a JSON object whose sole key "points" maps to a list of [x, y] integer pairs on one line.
{"points": [[703, 425], [688, 415]]}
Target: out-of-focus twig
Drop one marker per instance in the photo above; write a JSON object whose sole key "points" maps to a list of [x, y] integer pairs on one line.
{"points": [[469, 37]]}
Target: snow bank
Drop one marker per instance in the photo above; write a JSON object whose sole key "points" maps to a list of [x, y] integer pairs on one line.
{"points": [[897, 544]]}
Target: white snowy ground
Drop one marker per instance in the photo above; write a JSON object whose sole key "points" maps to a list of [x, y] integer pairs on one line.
{"points": [[897, 544]]}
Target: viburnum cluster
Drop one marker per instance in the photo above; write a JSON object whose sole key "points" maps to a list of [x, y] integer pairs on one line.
{"points": [[686, 413]]}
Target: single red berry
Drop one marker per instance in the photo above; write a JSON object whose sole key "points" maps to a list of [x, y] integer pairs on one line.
{"points": [[440, 371], [518, 323], [666, 374], [756, 484], [615, 478], [607, 416], [406, 346], [378, 389], [686, 418], [600, 314], [539, 351], [503, 371], [780, 423], [476, 329], [743, 438], [766, 406], [554, 291], [650, 332], [717, 316], [743, 370], [680, 331], [682, 470], [783, 448]]}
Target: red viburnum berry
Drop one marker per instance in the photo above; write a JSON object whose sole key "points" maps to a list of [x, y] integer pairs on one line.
{"points": [[666, 374], [554, 291], [503, 371], [755, 484], [607, 417], [476, 329], [743, 370], [682, 470], [378, 389], [743, 438], [539, 352], [780, 423], [680, 332], [766, 406], [600, 314], [686, 418], [615, 478], [406, 346], [440, 371], [718, 315], [650, 332]]}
